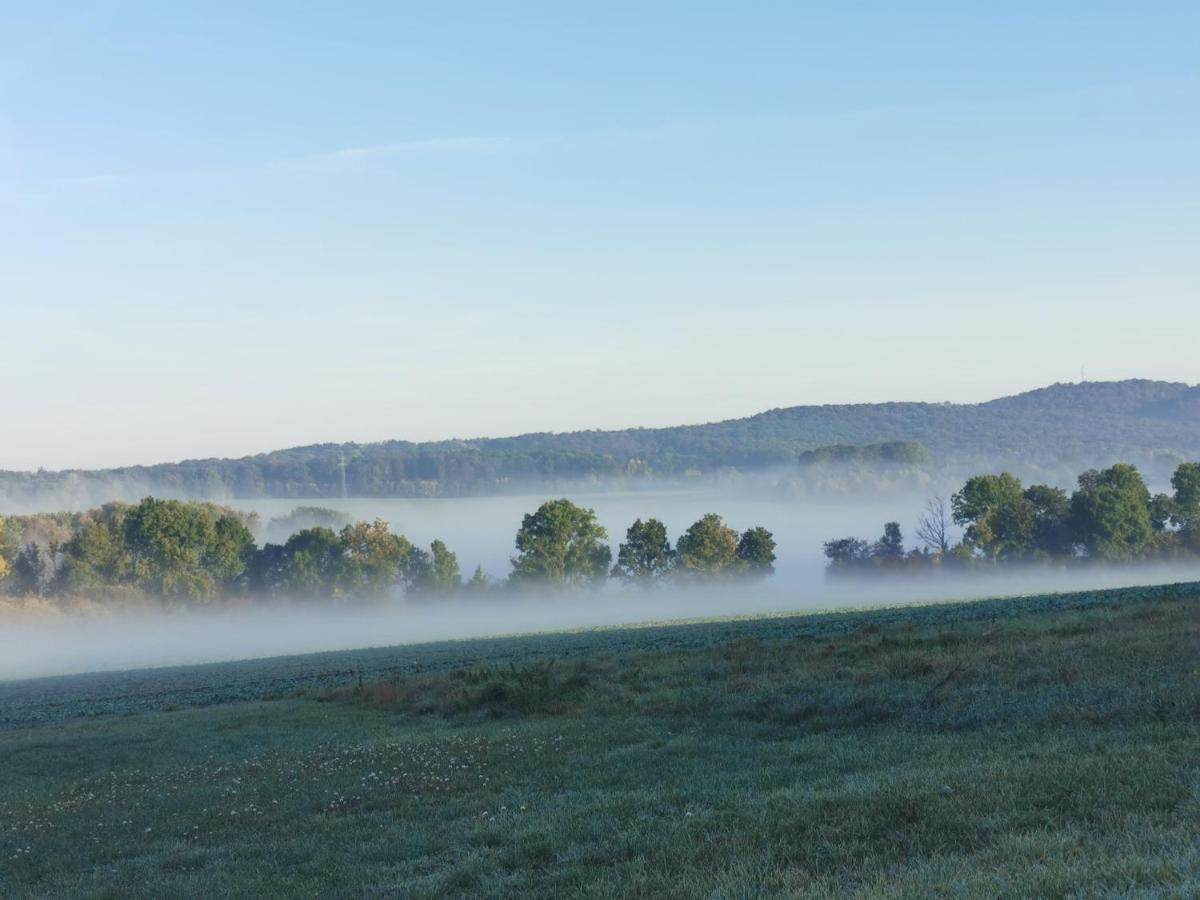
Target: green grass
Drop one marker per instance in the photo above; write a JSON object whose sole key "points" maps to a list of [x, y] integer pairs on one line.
{"points": [[1043, 747]]}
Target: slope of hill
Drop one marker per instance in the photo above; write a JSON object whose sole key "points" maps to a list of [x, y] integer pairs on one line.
{"points": [[1022, 747], [1050, 431]]}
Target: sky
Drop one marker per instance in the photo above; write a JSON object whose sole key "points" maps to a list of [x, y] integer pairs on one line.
{"points": [[232, 227]]}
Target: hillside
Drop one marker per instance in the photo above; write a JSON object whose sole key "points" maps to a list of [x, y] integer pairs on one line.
{"points": [[1050, 432], [1024, 747]]}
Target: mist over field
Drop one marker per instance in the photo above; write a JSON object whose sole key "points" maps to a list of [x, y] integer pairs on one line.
{"points": [[34, 648], [480, 530]]}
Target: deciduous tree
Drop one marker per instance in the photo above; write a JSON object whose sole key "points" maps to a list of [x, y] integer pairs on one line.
{"points": [[374, 556], [933, 526], [1052, 535], [1186, 502], [1110, 513], [562, 545], [999, 519], [890, 547], [646, 555], [708, 547], [756, 552]]}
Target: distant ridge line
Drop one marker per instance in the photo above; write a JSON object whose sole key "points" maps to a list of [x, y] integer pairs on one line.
{"points": [[1062, 427]]}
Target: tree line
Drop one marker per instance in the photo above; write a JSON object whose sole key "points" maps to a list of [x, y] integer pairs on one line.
{"points": [[1111, 516], [194, 552]]}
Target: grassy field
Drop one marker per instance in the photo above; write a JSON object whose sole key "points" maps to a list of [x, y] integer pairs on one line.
{"points": [[1046, 746]]}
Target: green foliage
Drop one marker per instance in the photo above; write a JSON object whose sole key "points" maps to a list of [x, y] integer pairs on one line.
{"points": [[999, 519], [1186, 482], [373, 558], [1052, 537], [192, 552], [478, 582], [1162, 512], [185, 550], [1110, 514], [708, 547], [889, 453], [756, 552], [435, 571], [8, 546], [561, 544], [315, 565], [445, 576], [270, 572], [890, 547], [29, 571], [97, 557], [1185, 505], [1111, 517], [230, 551], [646, 556], [847, 554]]}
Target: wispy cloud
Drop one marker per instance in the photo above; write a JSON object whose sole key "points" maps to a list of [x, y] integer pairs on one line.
{"points": [[344, 157], [350, 157], [421, 147]]}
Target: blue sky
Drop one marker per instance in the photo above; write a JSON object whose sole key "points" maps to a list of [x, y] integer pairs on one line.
{"points": [[230, 227]]}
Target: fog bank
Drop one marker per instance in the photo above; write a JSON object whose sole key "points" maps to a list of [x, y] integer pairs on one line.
{"points": [[31, 648]]}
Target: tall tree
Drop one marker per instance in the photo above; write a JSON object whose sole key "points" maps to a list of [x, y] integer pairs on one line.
{"points": [[708, 547], [96, 556], [933, 526], [562, 545], [374, 556], [4, 567], [434, 571], [446, 576], [29, 570], [848, 554], [229, 552], [999, 520], [478, 583], [890, 547], [1110, 513], [270, 572], [415, 570], [1052, 535], [167, 541], [756, 552], [1186, 503], [646, 555], [315, 564]]}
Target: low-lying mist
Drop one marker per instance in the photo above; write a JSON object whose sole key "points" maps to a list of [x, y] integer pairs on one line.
{"points": [[73, 644], [480, 530]]}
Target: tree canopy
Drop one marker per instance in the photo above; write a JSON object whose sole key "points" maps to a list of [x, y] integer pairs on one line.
{"points": [[708, 547], [191, 552], [646, 554], [561, 544], [1111, 517]]}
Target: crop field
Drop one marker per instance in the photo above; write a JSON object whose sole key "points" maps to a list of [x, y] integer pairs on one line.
{"points": [[1039, 746]]}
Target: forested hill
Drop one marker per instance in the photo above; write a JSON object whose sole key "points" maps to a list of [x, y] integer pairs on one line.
{"points": [[1055, 429]]}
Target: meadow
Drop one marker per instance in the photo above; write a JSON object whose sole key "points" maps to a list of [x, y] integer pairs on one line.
{"points": [[1038, 746]]}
